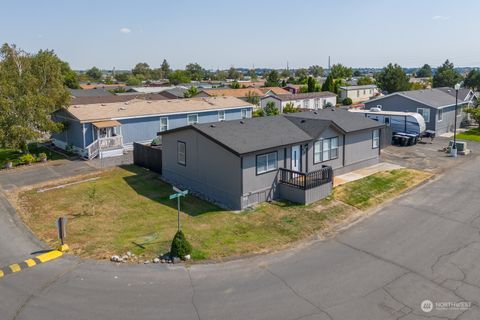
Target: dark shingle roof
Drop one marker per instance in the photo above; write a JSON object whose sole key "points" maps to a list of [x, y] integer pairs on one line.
{"points": [[97, 92], [309, 95], [174, 93], [249, 135]]}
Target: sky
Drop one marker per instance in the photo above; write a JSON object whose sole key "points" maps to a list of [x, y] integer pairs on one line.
{"points": [[261, 33]]}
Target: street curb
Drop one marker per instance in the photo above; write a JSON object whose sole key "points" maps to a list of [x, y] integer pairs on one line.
{"points": [[17, 267]]}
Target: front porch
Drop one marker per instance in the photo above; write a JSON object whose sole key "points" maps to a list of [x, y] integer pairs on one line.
{"points": [[305, 188], [108, 140]]}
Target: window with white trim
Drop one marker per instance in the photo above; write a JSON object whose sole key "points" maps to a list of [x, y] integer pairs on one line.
{"points": [[440, 114], [425, 112], [305, 103], [375, 139], [266, 162], [181, 153], [325, 150], [221, 115], [192, 119], [317, 103], [163, 124], [244, 113]]}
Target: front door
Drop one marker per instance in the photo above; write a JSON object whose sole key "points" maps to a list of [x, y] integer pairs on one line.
{"points": [[296, 158]]}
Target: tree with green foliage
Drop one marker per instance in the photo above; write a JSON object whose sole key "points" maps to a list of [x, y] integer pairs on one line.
{"points": [[339, 71], [365, 80], [156, 74], [472, 80], [285, 73], [357, 73], [31, 88], [94, 74], [474, 113], [122, 76], [165, 67], [142, 69], [311, 84], [271, 109], [252, 73], [134, 80], [192, 91], [235, 85], [329, 84], [424, 72], [272, 79], [233, 74], [446, 76], [195, 71], [253, 98], [178, 76], [258, 113], [70, 77], [418, 86], [290, 108], [301, 75], [180, 246], [316, 71], [347, 101], [392, 78]]}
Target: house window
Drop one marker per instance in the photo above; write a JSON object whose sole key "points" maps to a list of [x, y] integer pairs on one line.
{"points": [[440, 114], [305, 104], [181, 153], [358, 93], [375, 138], [163, 124], [221, 115], [244, 113], [425, 112], [326, 149], [317, 103], [266, 162], [364, 92], [192, 119]]}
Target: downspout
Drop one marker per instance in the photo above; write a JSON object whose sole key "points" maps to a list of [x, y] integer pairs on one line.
{"points": [[343, 151]]}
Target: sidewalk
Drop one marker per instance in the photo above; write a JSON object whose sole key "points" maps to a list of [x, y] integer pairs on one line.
{"points": [[364, 172]]}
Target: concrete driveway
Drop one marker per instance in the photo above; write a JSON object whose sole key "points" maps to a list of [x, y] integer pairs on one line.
{"points": [[423, 246], [39, 173]]}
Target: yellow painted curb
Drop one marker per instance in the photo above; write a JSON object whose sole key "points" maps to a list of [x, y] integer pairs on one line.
{"points": [[49, 256], [17, 267], [1, 273], [30, 262], [63, 248]]}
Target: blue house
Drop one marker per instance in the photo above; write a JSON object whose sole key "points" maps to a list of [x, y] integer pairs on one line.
{"points": [[109, 129]]}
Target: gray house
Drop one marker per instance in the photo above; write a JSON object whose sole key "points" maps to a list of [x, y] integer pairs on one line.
{"points": [[437, 106], [237, 164]]}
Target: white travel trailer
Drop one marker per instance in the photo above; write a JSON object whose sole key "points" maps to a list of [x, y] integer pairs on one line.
{"points": [[410, 123]]}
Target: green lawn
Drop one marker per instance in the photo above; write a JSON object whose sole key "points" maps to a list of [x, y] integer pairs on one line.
{"points": [[472, 134], [132, 213], [34, 148]]}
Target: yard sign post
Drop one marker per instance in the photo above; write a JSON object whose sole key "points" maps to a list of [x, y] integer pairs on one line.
{"points": [[179, 193], [62, 233]]}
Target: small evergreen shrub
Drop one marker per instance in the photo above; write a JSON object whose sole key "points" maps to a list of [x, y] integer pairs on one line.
{"points": [[42, 157], [347, 101], [180, 245], [27, 159]]}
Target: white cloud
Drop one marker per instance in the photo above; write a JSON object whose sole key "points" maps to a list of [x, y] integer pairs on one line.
{"points": [[440, 18], [125, 30]]}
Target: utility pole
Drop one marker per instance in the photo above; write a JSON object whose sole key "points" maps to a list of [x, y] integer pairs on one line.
{"points": [[329, 63]]}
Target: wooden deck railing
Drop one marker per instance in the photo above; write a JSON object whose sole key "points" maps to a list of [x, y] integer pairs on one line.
{"points": [[308, 180]]}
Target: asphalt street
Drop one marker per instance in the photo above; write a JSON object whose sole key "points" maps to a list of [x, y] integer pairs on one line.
{"points": [[424, 245]]}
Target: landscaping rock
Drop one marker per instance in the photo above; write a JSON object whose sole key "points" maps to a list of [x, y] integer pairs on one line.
{"points": [[125, 258], [176, 260], [162, 260], [156, 260], [187, 257], [147, 262], [115, 258], [129, 254]]}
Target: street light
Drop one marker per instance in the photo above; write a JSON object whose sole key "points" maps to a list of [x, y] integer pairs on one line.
{"points": [[453, 151]]}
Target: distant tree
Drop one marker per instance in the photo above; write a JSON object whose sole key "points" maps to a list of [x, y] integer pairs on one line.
{"points": [[31, 88], [192, 91], [340, 71], [70, 77], [253, 98], [446, 76], [347, 101], [329, 84], [418, 86], [357, 73], [472, 80], [258, 113], [122, 76], [285, 73], [108, 80], [165, 67], [233, 74], [133, 80], [235, 85], [94, 74], [195, 71], [284, 83], [311, 84], [252, 73], [424, 72], [392, 78], [273, 79], [475, 114], [156, 74], [301, 75], [271, 109], [337, 84], [290, 108], [315, 71], [365, 80], [142, 69], [219, 75], [178, 76]]}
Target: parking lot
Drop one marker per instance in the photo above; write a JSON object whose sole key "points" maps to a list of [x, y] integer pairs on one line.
{"points": [[427, 155]]}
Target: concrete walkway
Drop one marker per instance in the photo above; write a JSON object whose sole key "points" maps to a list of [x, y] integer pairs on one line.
{"points": [[364, 172]]}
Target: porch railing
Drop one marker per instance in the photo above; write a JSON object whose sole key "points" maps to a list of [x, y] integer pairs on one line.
{"points": [[308, 180], [110, 143], [92, 150]]}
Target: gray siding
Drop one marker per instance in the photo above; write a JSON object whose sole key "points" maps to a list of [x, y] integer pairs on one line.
{"points": [[358, 147], [297, 195], [334, 163], [211, 171]]}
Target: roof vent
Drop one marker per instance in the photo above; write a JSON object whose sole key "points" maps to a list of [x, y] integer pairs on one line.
{"points": [[303, 121], [315, 112], [212, 126]]}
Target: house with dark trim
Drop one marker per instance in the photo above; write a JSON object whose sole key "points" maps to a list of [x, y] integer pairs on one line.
{"points": [[108, 126], [239, 163], [437, 106]]}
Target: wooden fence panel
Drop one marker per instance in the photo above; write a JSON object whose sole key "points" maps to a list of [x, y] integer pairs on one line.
{"points": [[147, 157]]}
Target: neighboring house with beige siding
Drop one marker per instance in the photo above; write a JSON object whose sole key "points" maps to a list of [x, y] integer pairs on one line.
{"points": [[307, 101], [358, 93]]}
